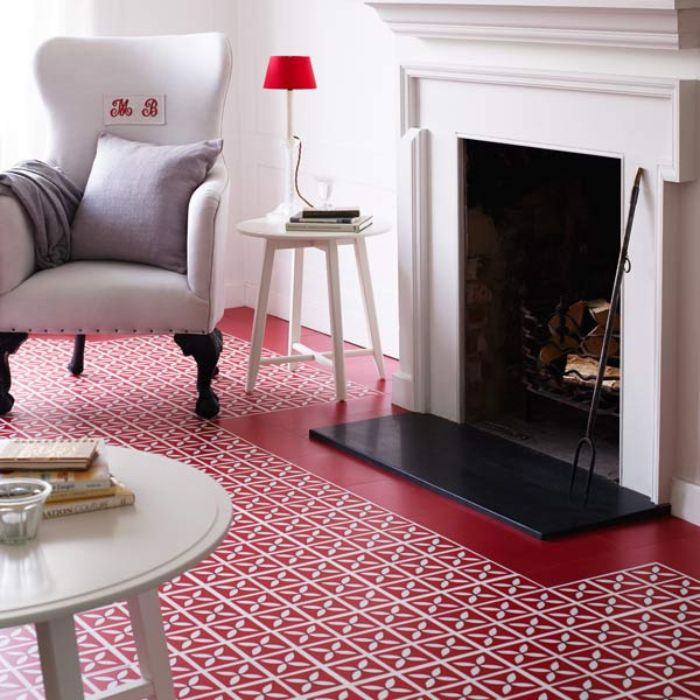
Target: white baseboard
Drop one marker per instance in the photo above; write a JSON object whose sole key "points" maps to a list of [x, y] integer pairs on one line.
{"points": [[402, 391], [277, 304], [234, 295], [685, 500], [250, 294]]}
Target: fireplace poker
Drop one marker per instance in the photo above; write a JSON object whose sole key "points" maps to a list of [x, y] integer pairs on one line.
{"points": [[623, 266]]}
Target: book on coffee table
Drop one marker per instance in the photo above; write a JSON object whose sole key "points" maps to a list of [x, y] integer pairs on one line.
{"points": [[57, 454], [122, 496], [61, 496], [96, 476]]}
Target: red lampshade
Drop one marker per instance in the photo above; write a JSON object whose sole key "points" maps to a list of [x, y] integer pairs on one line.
{"points": [[290, 73]]}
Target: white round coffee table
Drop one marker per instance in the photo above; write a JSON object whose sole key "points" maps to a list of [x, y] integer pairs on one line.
{"points": [[84, 561], [277, 238]]}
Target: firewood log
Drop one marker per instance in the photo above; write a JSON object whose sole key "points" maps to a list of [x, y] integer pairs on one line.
{"points": [[592, 344], [584, 370], [568, 323], [600, 310], [554, 349]]}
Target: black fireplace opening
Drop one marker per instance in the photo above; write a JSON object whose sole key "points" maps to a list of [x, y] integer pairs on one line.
{"points": [[541, 238], [541, 241]]}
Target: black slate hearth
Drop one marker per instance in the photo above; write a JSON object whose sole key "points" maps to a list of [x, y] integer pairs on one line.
{"points": [[522, 487]]}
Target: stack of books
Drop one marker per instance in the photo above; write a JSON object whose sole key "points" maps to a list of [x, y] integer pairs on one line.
{"points": [[76, 469], [348, 220]]}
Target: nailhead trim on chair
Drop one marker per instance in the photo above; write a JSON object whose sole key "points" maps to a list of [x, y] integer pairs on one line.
{"points": [[83, 331]]}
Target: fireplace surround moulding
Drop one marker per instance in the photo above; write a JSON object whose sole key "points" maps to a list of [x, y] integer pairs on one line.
{"points": [[645, 24], [648, 123]]}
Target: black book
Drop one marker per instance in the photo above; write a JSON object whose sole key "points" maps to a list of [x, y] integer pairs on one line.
{"points": [[327, 220], [330, 213]]}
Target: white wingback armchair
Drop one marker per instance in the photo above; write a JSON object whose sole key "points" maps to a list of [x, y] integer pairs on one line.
{"points": [[91, 297]]}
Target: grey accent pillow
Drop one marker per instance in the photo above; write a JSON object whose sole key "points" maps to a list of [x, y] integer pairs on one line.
{"points": [[136, 199]]}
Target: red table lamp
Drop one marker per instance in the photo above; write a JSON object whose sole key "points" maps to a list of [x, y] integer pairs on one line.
{"points": [[289, 73]]}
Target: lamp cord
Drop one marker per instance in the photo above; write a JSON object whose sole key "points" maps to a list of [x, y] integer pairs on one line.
{"points": [[296, 175]]}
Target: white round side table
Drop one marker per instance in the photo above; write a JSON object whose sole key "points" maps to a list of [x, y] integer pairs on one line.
{"points": [[277, 238], [83, 561]]}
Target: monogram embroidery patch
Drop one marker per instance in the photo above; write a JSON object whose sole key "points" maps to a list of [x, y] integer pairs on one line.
{"points": [[134, 109]]}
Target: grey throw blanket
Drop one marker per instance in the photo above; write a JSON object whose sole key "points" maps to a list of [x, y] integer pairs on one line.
{"points": [[50, 200]]}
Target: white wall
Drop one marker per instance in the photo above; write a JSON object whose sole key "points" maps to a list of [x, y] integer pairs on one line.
{"points": [[349, 130], [24, 26]]}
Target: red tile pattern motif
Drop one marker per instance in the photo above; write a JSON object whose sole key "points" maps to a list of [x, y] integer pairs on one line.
{"points": [[317, 593], [150, 373]]}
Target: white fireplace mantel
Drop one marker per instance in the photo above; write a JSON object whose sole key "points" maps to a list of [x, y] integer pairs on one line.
{"points": [[564, 111], [647, 24]]}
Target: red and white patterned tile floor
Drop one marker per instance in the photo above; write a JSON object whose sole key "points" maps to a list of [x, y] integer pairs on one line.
{"points": [[368, 587]]}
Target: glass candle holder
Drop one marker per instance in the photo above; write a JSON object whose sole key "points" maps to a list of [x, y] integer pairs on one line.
{"points": [[21, 505], [325, 190]]}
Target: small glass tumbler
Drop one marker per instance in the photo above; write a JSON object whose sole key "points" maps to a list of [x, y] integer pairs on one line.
{"points": [[21, 504], [325, 190]]}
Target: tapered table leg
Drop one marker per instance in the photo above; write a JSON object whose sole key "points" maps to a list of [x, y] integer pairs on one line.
{"points": [[295, 304], [336, 319], [60, 664], [260, 316], [151, 647], [368, 301]]}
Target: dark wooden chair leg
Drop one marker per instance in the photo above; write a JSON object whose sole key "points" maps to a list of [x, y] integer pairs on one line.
{"points": [[9, 344], [205, 349], [75, 366]]}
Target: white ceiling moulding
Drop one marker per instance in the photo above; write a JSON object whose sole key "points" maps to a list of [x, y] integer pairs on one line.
{"points": [[641, 24]]}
